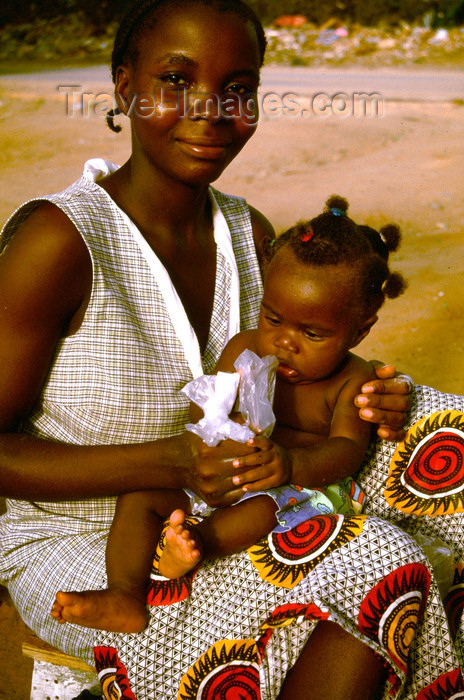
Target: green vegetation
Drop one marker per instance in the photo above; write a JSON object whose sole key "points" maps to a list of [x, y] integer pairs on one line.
{"points": [[67, 32]]}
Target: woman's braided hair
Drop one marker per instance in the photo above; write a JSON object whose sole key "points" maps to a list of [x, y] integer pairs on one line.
{"points": [[141, 18], [333, 238]]}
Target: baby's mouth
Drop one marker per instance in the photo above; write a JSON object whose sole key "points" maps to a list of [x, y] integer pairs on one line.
{"points": [[284, 370]]}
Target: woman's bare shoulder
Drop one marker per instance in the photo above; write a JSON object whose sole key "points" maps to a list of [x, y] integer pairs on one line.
{"points": [[47, 256], [47, 228]]}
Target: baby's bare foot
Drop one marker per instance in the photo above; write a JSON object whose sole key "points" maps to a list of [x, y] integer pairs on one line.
{"points": [[182, 549], [114, 610]]}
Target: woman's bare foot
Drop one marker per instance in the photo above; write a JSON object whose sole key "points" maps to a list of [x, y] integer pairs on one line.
{"points": [[183, 547], [115, 610]]}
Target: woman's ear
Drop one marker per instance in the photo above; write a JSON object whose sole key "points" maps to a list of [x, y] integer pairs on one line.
{"points": [[365, 329], [121, 89]]}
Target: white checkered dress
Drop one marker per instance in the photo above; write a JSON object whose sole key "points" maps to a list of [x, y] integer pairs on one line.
{"points": [[117, 380]]}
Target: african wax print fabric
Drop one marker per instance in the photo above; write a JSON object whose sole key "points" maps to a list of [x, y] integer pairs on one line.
{"points": [[419, 485]]}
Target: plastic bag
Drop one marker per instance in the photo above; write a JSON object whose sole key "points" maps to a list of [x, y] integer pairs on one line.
{"points": [[256, 390], [441, 557], [217, 394]]}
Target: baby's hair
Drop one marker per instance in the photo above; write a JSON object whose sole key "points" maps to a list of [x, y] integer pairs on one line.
{"points": [[141, 18], [333, 238]]}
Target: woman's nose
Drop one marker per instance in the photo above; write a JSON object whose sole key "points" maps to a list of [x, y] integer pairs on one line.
{"points": [[205, 105]]}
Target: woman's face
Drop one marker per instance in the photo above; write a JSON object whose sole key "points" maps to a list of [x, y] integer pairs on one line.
{"points": [[191, 94], [309, 317]]}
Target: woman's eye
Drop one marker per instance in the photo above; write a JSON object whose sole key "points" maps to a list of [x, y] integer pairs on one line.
{"points": [[239, 89], [174, 80]]}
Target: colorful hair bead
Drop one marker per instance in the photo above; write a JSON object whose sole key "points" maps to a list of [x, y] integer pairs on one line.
{"points": [[307, 235], [337, 212]]}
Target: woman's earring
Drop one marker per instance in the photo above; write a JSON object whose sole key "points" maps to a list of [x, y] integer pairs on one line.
{"points": [[110, 119]]}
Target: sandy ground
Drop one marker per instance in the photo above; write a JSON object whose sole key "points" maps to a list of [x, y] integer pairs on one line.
{"points": [[406, 166]]}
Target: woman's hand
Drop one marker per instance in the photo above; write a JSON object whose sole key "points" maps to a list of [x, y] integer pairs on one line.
{"points": [[386, 401], [271, 466], [211, 471]]}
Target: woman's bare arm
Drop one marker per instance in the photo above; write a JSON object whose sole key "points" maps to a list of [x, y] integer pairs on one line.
{"points": [[45, 279]]}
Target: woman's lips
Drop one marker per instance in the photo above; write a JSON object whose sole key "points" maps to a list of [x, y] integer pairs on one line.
{"points": [[203, 148]]}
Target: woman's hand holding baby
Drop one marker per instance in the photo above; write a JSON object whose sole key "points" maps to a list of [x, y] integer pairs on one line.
{"points": [[386, 401]]}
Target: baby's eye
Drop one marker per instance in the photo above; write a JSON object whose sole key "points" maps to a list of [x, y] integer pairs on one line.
{"points": [[312, 335], [272, 320]]}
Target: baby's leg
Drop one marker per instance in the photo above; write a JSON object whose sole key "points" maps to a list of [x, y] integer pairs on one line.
{"points": [[236, 528], [132, 541]]}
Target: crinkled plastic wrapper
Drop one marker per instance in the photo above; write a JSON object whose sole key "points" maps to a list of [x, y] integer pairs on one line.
{"points": [[216, 395], [441, 557]]}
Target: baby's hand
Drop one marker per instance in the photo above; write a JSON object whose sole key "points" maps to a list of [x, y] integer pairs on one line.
{"points": [[270, 466]]}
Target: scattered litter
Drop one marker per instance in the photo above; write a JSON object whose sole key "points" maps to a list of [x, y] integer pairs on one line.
{"points": [[334, 42], [440, 37], [327, 37], [292, 39], [294, 21]]}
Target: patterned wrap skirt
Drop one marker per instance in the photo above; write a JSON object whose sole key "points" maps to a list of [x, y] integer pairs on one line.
{"points": [[235, 626]]}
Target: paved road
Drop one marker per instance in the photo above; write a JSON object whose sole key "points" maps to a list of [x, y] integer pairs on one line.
{"points": [[392, 83]]}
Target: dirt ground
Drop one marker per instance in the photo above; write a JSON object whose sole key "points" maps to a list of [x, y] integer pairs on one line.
{"points": [[406, 166]]}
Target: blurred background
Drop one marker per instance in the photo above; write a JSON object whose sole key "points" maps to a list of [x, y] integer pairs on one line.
{"points": [[64, 31]]}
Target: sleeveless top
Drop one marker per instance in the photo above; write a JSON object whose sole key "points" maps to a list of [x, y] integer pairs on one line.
{"points": [[118, 378]]}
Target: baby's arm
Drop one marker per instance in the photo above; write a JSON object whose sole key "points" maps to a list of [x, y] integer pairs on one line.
{"points": [[308, 459]]}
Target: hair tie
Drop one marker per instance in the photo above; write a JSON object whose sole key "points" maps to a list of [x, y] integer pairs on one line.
{"points": [[272, 243], [307, 235], [337, 212]]}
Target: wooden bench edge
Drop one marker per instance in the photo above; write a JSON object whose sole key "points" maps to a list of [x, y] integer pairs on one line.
{"points": [[37, 649]]}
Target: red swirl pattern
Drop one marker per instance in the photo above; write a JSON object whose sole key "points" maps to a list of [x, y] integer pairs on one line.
{"points": [[392, 610], [162, 591], [304, 541], [285, 558], [436, 468], [426, 474], [231, 682], [227, 671], [454, 600]]}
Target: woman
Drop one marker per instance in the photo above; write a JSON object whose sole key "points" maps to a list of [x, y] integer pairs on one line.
{"points": [[113, 296]]}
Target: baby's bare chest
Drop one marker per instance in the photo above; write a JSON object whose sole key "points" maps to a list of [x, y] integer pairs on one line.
{"points": [[303, 407]]}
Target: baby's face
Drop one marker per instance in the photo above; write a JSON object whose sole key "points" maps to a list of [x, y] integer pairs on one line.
{"points": [[309, 319]]}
